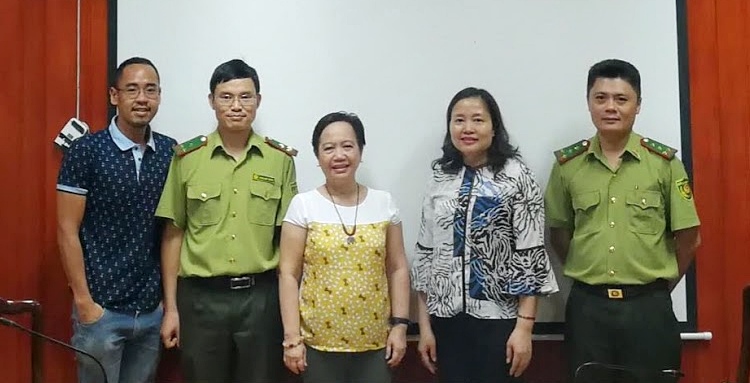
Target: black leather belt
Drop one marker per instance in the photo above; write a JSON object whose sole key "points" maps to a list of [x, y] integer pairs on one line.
{"points": [[233, 282], [622, 291]]}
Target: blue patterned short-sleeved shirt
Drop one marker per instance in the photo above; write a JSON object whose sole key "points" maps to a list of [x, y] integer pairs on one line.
{"points": [[481, 242], [119, 233]]}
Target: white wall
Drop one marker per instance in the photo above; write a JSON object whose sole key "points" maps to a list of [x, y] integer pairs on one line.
{"points": [[397, 64]]}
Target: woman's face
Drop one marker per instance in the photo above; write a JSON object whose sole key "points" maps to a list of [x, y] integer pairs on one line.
{"points": [[471, 130], [338, 153]]}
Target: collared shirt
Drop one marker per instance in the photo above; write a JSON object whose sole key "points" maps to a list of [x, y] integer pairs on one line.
{"points": [[119, 235], [481, 242], [622, 220], [125, 144], [230, 210]]}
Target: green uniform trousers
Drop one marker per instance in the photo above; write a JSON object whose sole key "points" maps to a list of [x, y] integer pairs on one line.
{"points": [[230, 334], [629, 326]]}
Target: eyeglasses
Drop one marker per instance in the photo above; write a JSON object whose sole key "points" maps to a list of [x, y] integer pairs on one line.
{"points": [[226, 99], [132, 92]]}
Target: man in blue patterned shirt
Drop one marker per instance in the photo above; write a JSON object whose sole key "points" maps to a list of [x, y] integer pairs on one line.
{"points": [[108, 188]]}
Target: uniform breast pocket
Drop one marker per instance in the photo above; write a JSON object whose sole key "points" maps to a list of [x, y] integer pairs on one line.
{"points": [[264, 203], [585, 206], [646, 210], [204, 204]]}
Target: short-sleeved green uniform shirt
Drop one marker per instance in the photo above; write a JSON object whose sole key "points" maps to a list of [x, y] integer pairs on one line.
{"points": [[229, 210], [622, 221]]}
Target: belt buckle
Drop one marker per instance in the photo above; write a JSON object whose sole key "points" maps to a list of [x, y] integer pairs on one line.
{"points": [[614, 294], [238, 283]]}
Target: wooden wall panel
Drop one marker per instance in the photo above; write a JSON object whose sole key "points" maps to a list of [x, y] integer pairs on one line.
{"points": [[38, 67], [10, 105], [699, 358], [720, 111]]}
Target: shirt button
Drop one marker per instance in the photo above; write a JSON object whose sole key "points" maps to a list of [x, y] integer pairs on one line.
{"points": [[231, 260], [636, 187], [611, 249], [613, 200], [234, 214], [235, 190], [611, 224], [643, 201], [611, 273], [203, 195], [233, 236]]}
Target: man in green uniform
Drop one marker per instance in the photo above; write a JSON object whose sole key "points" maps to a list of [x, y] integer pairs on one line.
{"points": [[226, 196], [623, 220]]}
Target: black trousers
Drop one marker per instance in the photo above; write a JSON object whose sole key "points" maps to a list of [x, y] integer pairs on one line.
{"points": [[230, 336], [471, 350], [638, 332]]}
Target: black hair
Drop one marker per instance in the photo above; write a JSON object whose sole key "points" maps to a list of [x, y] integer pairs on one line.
{"points": [[615, 68], [129, 62], [233, 70], [350, 118], [500, 149]]}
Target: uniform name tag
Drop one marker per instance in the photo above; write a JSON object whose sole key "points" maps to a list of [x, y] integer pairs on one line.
{"points": [[262, 178]]}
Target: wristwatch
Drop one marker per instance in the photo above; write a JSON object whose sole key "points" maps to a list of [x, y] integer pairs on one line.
{"points": [[393, 321]]}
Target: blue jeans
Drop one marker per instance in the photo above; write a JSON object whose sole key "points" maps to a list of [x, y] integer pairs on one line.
{"points": [[127, 346]]}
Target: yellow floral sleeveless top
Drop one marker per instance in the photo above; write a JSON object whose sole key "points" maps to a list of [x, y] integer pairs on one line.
{"points": [[344, 300]]}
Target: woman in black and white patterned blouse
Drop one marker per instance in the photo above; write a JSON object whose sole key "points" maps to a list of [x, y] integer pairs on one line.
{"points": [[480, 258]]}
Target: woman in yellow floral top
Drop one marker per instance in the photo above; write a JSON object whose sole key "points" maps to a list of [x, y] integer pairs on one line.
{"points": [[344, 279]]}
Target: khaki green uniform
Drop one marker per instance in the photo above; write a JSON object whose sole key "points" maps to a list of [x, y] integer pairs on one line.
{"points": [[622, 251], [231, 212], [622, 220]]}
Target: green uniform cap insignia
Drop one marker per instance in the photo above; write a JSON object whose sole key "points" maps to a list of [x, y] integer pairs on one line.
{"points": [[283, 147], [190, 145], [660, 149], [567, 153]]}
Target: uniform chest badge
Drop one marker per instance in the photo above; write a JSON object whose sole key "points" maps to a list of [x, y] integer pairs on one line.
{"points": [[263, 178]]}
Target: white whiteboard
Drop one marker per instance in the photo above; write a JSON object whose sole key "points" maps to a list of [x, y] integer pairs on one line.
{"points": [[397, 64]]}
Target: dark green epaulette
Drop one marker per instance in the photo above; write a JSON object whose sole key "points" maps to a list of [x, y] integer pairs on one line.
{"points": [[283, 147], [658, 148], [190, 145], [569, 152]]}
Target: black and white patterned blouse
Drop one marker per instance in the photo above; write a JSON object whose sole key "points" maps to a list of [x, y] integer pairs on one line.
{"points": [[481, 242]]}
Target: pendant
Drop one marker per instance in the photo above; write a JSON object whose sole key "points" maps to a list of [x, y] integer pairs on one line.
{"points": [[349, 240]]}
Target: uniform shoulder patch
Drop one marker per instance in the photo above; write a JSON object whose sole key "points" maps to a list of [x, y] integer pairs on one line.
{"points": [[283, 147], [658, 148], [189, 145], [572, 151], [683, 187]]}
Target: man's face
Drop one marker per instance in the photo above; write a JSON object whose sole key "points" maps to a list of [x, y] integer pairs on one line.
{"points": [[613, 105], [137, 95], [235, 103]]}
